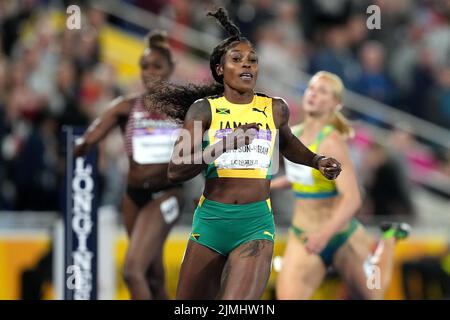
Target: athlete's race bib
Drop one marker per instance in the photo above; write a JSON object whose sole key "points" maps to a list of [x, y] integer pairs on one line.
{"points": [[297, 173], [256, 155], [153, 145]]}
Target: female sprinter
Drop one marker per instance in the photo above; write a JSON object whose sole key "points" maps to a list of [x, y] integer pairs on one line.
{"points": [[229, 133], [151, 204], [324, 232]]}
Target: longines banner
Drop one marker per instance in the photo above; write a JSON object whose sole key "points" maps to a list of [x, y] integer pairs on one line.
{"points": [[80, 221]]}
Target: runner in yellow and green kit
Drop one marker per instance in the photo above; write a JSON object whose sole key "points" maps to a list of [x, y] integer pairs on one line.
{"points": [[234, 132], [324, 232]]}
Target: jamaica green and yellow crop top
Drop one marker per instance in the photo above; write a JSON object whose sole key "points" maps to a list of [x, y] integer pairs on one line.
{"points": [[253, 160], [306, 181]]}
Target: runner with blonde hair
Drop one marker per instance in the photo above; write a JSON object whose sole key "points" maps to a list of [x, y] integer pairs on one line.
{"points": [[324, 231]]}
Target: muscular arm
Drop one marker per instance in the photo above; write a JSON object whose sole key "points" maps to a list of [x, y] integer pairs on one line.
{"points": [[350, 198], [188, 157], [290, 146], [100, 127]]}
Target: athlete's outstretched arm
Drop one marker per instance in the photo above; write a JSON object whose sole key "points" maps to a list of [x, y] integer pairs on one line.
{"points": [[188, 158], [294, 150], [100, 127]]}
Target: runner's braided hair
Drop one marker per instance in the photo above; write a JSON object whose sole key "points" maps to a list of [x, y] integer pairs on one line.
{"points": [[175, 100]]}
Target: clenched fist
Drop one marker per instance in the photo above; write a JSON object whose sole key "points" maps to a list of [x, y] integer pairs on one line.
{"points": [[329, 167]]}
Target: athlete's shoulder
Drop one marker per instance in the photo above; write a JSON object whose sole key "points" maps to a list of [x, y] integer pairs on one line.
{"points": [[200, 103], [120, 105], [199, 110], [134, 96], [334, 134], [280, 106], [334, 140], [263, 95], [130, 98], [280, 110], [278, 101], [275, 100]]}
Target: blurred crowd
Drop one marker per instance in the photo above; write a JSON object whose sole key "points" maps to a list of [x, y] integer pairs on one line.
{"points": [[51, 76], [405, 63]]}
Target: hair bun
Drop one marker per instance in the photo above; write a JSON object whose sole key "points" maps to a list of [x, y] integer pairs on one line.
{"points": [[157, 39], [222, 17]]}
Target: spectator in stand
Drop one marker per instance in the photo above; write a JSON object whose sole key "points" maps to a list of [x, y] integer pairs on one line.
{"points": [[319, 14], [250, 15], [67, 95], [374, 81], [36, 175], [441, 109], [12, 24], [387, 192], [336, 57], [423, 82]]}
